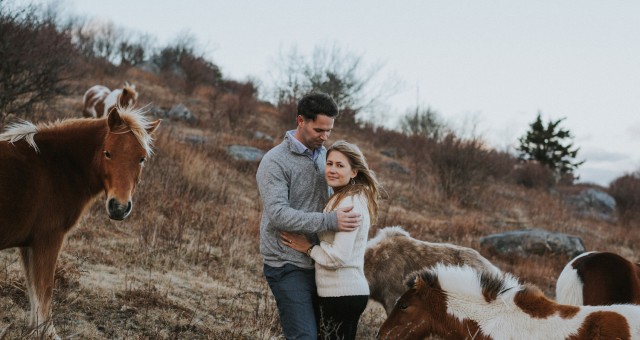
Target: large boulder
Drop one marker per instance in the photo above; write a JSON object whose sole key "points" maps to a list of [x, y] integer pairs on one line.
{"points": [[594, 203], [523, 243]]}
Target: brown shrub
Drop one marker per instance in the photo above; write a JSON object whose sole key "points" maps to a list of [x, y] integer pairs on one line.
{"points": [[239, 103], [626, 191], [461, 168], [532, 174], [35, 60]]}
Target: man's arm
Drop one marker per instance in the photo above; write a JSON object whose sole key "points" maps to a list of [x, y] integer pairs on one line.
{"points": [[274, 190]]}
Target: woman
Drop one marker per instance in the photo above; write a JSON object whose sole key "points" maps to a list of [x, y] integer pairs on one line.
{"points": [[339, 258]]}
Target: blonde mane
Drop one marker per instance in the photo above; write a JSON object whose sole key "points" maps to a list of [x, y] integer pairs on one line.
{"points": [[139, 124], [21, 130], [135, 119], [467, 282], [385, 233]]}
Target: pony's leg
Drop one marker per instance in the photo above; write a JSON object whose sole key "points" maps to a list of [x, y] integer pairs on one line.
{"points": [[27, 254], [39, 263]]}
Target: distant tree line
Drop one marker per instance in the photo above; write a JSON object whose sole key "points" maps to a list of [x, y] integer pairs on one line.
{"points": [[40, 52]]}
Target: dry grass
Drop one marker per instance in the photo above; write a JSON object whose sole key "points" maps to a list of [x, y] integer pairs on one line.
{"points": [[186, 264]]}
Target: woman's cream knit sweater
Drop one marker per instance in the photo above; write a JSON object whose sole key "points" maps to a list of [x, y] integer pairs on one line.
{"points": [[339, 259]]}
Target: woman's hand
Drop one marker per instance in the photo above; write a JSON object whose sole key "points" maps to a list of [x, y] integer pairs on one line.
{"points": [[297, 242]]}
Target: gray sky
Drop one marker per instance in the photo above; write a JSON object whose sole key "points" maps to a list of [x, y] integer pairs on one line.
{"points": [[493, 63]]}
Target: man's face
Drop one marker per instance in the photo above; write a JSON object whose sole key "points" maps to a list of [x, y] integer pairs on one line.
{"points": [[313, 133]]}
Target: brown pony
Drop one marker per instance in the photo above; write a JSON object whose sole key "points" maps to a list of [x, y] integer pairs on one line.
{"points": [[459, 302], [393, 254], [599, 278], [99, 100], [50, 173]]}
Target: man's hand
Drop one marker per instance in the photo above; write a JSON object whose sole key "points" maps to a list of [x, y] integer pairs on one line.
{"points": [[348, 220]]}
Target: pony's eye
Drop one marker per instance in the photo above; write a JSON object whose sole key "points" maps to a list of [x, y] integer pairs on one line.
{"points": [[403, 305], [107, 154], [142, 160]]}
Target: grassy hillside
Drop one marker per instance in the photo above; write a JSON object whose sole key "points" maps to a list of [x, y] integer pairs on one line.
{"points": [[185, 264]]}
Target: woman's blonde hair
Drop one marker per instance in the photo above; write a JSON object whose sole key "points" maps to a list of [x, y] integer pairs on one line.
{"points": [[364, 182]]}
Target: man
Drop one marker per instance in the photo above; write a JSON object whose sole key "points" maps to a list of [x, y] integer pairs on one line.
{"points": [[293, 190]]}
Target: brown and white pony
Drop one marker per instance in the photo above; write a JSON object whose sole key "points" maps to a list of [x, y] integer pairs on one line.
{"points": [[458, 302], [393, 254], [599, 278], [99, 100], [49, 175]]}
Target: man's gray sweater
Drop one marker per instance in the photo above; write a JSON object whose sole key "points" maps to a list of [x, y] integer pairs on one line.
{"points": [[294, 192]]}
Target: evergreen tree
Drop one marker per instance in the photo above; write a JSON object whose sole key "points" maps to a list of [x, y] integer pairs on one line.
{"points": [[547, 145]]}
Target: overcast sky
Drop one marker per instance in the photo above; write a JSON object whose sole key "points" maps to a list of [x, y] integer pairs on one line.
{"points": [[494, 63]]}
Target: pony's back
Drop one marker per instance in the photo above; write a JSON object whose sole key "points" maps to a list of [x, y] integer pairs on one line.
{"points": [[504, 308], [392, 254], [94, 100], [599, 278]]}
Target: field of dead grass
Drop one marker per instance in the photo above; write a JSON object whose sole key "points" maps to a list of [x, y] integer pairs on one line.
{"points": [[186, 265]]}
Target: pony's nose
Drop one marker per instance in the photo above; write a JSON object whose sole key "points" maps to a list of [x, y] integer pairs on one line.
{"points": [[118, 211]]}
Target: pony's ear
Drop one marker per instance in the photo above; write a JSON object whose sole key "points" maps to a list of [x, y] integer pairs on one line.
{"points": [[153, 126], [114, 120], [419, 283], [113, 108]]}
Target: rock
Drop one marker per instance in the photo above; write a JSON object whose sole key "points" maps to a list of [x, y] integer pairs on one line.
{"points": [[263, 136], [392, 153], [195, 140], [245, 153], [528, 242], [181, 112], [396, 168], [594, 203]]}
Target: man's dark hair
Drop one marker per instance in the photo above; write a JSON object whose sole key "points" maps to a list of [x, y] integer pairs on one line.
{"points": [[315, 103]]}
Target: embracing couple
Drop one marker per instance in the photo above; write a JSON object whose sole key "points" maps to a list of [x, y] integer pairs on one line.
{"points": [[318, 205]]}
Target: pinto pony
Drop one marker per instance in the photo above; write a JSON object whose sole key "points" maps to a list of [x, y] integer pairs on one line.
{"points": [[458, 302], [99, 100], [393, 254], [599, 278], [50, 173]]}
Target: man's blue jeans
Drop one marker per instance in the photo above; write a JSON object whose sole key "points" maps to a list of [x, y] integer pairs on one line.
{"points": [[296, 298]]}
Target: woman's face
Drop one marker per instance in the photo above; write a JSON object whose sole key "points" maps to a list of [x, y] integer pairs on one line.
{"points": [[338, 171]]}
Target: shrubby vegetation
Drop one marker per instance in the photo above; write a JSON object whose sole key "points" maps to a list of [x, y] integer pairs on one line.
{"points": [[341, 73], [41, 54], [626, 191], [457, 166], [422, 122], [36, 59]]}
